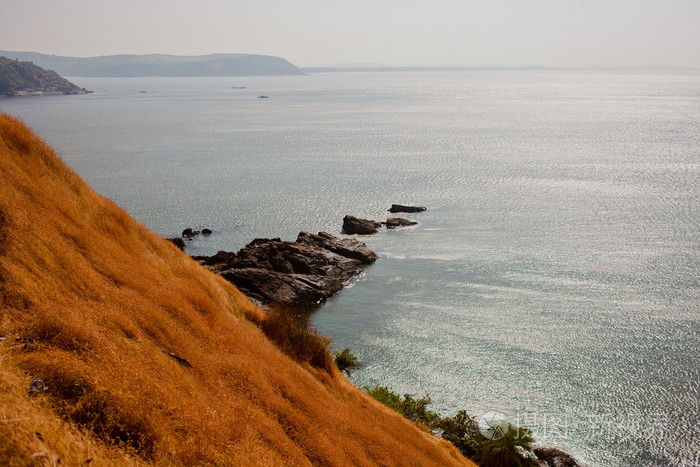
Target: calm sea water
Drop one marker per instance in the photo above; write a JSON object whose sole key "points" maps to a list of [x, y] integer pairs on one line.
{"points": [[554, 278]]}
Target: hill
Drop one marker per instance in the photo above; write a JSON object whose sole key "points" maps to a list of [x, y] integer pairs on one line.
{"points": [[27, 79], [147, 357], [127, 66]]}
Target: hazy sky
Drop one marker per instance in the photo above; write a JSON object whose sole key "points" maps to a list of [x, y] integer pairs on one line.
{"points": [[386, 32]]}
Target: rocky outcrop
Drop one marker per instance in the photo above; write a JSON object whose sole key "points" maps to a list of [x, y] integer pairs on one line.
{"points": [[189, 232], [355, 226], [554, 457], [178, 242], [395, 222], [401, 208], [302, 274]]}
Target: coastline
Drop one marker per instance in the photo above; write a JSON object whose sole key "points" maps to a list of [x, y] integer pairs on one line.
{"points": [[557, 260], [264, 269]]}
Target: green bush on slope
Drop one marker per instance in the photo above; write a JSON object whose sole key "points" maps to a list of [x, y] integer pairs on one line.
{"points": [[511, 447], [347, 361]]}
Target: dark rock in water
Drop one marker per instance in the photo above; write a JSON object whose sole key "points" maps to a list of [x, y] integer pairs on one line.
{"points": [[302, 274], [353, 225], [189, 233], [178, 241], [348, 247], [206, 232], [556, 457], [402, 208], [394, 222]]}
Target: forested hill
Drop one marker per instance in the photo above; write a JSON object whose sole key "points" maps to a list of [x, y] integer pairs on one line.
{"points": [[161, 65], [27, 79]]}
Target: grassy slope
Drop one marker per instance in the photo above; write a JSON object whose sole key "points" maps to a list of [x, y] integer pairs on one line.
{"points": [[90, 300]]}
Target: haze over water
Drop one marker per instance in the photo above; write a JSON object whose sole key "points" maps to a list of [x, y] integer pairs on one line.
{"points": [[554, 277]]}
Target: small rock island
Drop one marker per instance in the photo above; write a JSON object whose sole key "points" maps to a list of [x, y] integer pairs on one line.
{"points": [[355, 226], [402, 208], [301, 274]]}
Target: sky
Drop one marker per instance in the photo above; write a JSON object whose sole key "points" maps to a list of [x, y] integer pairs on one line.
{"points": [[479, 33]]}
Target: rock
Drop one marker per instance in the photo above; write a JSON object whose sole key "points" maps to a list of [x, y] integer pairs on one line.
{"points": [[302, 274], [394, 222], [189, 233], [556, 457], [206, 232], [401, 208], [178, 241], [353, 225], [348, 247]]}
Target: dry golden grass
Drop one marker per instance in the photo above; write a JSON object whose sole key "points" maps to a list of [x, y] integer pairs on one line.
{"points": [[95, 305]]}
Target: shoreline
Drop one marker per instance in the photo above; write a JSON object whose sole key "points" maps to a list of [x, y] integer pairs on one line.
{"points": [[251, 281]]}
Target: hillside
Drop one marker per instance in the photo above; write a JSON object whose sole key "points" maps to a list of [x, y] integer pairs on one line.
{"points": [[27, 79], [127, 66], [148, 358]]}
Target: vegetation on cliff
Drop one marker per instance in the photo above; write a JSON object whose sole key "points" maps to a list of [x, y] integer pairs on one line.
{"points": [[500, 444], [26, 79], [149, 358]]}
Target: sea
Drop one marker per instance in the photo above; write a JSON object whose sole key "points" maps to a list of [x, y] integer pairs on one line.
{"points": [[554, 279]]}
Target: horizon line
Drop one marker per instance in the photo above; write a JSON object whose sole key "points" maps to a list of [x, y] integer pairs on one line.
{"points": [[382, 67]]}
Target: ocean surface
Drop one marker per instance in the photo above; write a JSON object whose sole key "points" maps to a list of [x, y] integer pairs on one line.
{"points": [[554, 278]]}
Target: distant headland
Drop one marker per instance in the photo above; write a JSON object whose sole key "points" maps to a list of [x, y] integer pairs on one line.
{"points": [[27, 79], [129, 66]]}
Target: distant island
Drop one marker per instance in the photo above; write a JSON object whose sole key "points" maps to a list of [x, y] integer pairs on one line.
{"points": [[129, 66], [27, 79]]}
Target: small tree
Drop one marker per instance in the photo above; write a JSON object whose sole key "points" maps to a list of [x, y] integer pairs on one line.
{"points": [[462, 430], [386, 396], [417, 410], [510, 450], [413, 409], [347, 361]]}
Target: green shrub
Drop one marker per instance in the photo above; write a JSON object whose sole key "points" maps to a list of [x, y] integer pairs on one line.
{"points": [[347, 361], [417, 410], [413, 409], [462, 430], [512, 449], [386, 396]]}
